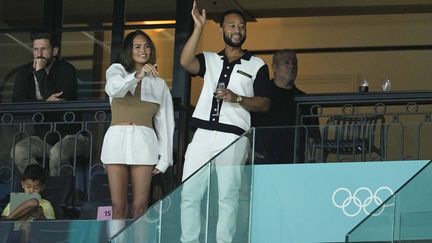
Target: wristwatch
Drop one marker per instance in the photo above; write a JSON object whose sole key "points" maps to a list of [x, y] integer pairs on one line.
{"points": [[239, 99]]}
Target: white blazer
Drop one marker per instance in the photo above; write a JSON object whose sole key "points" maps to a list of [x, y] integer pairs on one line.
{"points": [[153, 89]]}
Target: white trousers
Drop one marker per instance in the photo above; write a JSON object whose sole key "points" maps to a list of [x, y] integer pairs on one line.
{"points": [[228, 167]]}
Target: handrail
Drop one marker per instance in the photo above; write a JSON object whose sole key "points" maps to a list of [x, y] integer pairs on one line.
{"points": [[94, 115], [315, 105], [72, 105], [368, 98]]}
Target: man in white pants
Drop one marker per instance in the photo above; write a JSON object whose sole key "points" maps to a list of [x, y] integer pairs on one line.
{"points": [[248, 89]]}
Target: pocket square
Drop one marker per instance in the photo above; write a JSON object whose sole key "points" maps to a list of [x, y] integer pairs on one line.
{"points": [[245, 74]]}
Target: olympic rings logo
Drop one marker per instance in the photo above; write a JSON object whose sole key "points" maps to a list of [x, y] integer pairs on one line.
{"points": [[363, 199]]}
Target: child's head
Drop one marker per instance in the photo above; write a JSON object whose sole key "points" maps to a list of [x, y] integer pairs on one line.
{"points": [[33, 179]]}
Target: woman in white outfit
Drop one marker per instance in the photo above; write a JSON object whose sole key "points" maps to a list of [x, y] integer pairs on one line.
{"points": [[139, 141]]}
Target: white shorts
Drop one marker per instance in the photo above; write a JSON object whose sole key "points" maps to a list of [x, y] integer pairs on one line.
{"points": [[131, 145]]}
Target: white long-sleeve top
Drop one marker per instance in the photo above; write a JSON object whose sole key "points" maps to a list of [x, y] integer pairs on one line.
{"points": [[153, 89]]}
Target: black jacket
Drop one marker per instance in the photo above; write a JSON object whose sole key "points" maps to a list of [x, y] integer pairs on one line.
{"points": [[62, 77]]}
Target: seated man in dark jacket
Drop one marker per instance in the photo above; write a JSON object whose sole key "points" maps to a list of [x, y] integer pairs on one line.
{"points": [[47, 78]]}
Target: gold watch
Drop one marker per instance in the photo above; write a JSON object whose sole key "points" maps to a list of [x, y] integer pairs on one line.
{"points": [[239, 99]]}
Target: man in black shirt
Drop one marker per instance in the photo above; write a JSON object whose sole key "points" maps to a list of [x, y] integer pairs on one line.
{"points": [[277, 145], [47, 79]]}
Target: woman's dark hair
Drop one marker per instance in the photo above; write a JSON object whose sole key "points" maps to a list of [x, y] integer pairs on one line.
{"points": [[231, 11], [125, 55], [34, 172]]}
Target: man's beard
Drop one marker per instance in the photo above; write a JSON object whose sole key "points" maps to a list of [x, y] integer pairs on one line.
{"points": [[229, 42]]}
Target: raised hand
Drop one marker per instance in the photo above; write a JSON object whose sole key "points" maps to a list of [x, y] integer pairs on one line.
{"points": [[147, 69], [198, 18], [39, 63]]}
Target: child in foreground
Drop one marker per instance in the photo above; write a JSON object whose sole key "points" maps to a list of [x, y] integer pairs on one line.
{"points": [[32, 181]]}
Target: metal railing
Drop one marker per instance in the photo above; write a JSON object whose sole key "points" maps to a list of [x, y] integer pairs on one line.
{"points": [[403, 133], [89, 119]]}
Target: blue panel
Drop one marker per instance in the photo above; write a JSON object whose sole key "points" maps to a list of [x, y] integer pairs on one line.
{"points": [[321, 202]]}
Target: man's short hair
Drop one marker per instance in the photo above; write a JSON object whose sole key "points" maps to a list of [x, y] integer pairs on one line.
{"points": [[34, 172], [37, 35], [283, 52], [231, 11]]}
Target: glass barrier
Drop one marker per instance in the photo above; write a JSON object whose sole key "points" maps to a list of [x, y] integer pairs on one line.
{"points": [[60, 230], [221, 190], [211, 205], [404, 217], [275, 145]]}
